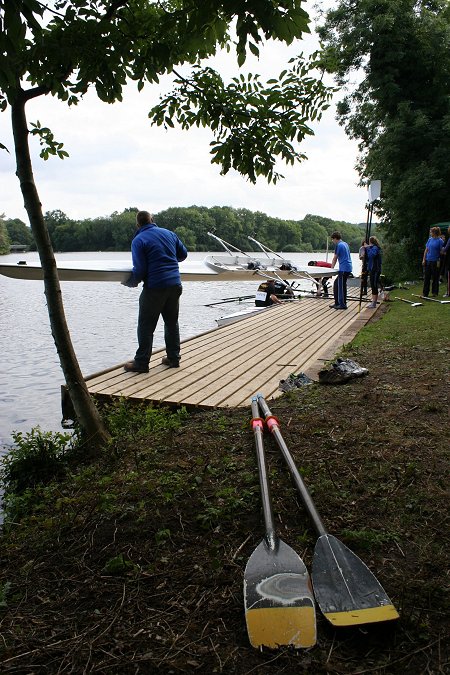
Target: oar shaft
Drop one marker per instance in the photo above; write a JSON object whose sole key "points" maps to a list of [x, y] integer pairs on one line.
{"points": [[258, 426], [308, 503]]}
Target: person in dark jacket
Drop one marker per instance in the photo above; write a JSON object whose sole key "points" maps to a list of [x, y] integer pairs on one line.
{"points": [[373, 254], [156, 253], [270, 292]]}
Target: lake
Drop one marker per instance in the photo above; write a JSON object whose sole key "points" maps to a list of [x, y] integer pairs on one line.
{"points": [[102, 321]]}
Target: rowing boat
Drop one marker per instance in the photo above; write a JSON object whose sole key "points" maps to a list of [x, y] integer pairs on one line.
{"points": [[240, 264], [242, 267], [239, 316], [212, 268], [235, 265], [100, 270]]}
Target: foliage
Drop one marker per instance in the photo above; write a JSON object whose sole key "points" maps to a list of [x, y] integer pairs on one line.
{"points": [[253, 123], [18, 232], [4, 237], [400, 110], [192, 224], [125, 419], [35, 458], [79, 45]]}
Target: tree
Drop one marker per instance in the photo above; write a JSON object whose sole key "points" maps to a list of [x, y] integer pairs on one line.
{"points": [[4, 237], [65, 48], [400, 110], [18, 232]]}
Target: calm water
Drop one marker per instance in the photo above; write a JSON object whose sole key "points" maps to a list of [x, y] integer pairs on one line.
{"points": [[102, 321]]}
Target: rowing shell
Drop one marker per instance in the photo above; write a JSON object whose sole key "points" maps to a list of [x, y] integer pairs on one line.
{"points": [[212, 268]]}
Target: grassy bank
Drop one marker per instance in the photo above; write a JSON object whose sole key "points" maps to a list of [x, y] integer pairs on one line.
{"points": [[133, 563]]}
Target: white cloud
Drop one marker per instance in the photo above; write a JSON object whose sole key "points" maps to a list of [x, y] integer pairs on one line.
{"points": [[118, 160]]}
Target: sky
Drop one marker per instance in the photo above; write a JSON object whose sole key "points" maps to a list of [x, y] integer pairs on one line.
{"points": [[118, 160]]}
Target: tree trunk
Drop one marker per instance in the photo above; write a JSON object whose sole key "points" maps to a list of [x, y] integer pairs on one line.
{"points": [[87, 414]]}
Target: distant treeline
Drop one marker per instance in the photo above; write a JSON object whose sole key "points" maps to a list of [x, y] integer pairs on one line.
{"points": [[192, 224]]}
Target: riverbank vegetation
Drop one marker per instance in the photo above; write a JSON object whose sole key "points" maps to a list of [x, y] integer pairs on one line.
{"points": [[132, 561], [192, 224], [391, 62]]}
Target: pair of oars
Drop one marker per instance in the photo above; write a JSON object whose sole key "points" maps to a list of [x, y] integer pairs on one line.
{"points": [[278, 595], [425, 297]]}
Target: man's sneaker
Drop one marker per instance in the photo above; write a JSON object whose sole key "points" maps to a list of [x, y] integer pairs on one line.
{"points": [[341, 307], [349, 367], [372, 305], [168, 362], [133, 367], [333, 306]]}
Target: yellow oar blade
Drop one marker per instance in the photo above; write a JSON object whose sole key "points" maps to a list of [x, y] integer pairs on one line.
{"points": [[346, 591], [278, 597], [275, 626], [356, 617]]}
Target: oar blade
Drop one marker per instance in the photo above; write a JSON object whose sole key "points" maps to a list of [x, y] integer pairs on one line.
{"points": [[278, 596], [346, 591]]}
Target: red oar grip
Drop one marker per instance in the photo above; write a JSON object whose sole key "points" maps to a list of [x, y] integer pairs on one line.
{"points": [[257, 422], [271, 422]]}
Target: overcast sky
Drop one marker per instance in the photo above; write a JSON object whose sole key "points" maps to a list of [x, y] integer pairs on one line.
{"points": [[117, 160]]}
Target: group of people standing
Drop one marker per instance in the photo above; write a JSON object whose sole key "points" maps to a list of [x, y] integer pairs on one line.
{"points": [[436, 263], [370, 254]]}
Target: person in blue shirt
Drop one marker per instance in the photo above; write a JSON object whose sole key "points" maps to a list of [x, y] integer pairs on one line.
{"points": [[156, 253], [341, 255], [430, 262], [373, 253]]}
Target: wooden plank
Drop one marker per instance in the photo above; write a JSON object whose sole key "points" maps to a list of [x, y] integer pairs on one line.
{"points": [[227, 365]]}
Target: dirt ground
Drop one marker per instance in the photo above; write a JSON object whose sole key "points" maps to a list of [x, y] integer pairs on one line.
{"points": [[136, 563]]}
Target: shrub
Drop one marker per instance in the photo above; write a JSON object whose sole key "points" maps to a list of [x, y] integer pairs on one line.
{"points": [[36, 458]]}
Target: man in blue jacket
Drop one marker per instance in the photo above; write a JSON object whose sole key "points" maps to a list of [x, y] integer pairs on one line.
{"points": [[156, 253], [341, 254]]}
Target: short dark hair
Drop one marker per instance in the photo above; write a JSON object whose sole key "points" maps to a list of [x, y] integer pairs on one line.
{"points": [[143, 217], [336, 235]]}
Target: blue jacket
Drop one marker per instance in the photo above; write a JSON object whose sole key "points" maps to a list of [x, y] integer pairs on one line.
{"points": [[373, 258], [433, 249], [156, 253], [342, 252]]}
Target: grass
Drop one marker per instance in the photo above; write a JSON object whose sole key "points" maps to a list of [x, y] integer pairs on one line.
{"points": [[133, 563]]}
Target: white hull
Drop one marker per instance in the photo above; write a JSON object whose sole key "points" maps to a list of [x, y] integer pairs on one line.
{"points": [[93, 270], [212, 268], [247, 267], [238, 316]]}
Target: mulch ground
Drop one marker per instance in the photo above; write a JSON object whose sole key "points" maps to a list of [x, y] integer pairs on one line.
{"points": [[135, 565]]}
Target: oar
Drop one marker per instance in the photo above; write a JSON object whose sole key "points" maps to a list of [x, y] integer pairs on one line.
{"points": [[238, 298], [424, 297], [346, 591], [279, 602], [413, 304]]}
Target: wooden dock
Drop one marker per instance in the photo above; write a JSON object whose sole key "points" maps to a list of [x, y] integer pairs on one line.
{"points": [[226, 366]]}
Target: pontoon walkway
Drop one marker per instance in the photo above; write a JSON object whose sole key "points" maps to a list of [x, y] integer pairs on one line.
{"points": [[226, 366]]}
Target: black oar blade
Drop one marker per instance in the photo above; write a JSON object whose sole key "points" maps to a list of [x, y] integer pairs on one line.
{"points": [[279, 602], [346, 591]]}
